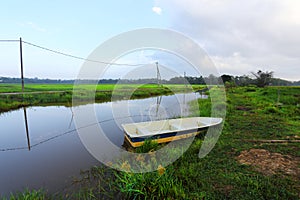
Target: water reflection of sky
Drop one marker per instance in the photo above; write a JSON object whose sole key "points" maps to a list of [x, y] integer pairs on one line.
{"points": [[56, 151]]}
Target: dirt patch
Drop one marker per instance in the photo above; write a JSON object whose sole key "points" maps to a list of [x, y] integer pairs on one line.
{"points": [[243, 108], [225, 189], [270, 163]]}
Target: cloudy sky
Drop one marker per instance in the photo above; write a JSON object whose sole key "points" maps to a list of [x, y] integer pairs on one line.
{"points": [[239, 36]]}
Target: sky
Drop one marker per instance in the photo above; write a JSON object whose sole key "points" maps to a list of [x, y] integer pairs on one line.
{"points": [[239, 36]]}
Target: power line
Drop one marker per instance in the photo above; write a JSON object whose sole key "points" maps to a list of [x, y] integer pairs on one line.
{"points": [[69, 132], [73, 56], [79, 58], [9, 40]]}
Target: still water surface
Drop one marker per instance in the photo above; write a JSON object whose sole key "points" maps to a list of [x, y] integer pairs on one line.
{"points": [[51, 153]]}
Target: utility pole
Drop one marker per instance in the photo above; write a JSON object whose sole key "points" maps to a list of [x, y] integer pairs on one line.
{"points": [[185, 80], [21, 59], [158, 74]]}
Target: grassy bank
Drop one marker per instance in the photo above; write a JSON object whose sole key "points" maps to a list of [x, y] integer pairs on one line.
{"points": [[60, 94], [236, 168], [242, 165]]}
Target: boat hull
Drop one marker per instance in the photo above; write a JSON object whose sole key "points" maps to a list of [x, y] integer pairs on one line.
{"points": [[136, 142]]}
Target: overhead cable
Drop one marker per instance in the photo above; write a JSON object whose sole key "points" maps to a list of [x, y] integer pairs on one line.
{"points": [[80, 58]]}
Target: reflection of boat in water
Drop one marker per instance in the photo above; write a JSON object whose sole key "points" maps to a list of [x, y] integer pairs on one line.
{"points": [[167, 130]]}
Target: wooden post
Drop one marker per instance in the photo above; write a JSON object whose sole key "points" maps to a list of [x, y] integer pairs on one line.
{"points": [[21, 59]]}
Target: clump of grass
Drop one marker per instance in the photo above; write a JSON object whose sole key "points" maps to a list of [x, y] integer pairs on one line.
{"points": [[201, 107], [29, 195], [160, 184], [271, 110], [250, 89], [148, 145]]}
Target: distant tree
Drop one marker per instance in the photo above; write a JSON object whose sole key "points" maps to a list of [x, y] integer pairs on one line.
{"points": [[280, 82], [178, 80], [263, 78], [243, 80], [228, 81], [296, 83], [211, 80], [226, 78], [195, 80]]}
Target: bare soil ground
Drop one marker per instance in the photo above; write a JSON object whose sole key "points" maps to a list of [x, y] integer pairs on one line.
{"points": [[270, 163]]}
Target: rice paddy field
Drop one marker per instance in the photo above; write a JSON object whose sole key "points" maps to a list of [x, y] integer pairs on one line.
{"points": [[9, 88]]}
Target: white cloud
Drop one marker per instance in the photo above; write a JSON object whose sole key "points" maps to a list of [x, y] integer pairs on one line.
{"points": [[157, 10], [284, 67], [36, 27], [243, 35], [33, 25]]}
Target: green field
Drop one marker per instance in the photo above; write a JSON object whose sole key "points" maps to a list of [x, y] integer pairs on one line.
{"points": [[244, 164], [10, 88], [11, 96]]}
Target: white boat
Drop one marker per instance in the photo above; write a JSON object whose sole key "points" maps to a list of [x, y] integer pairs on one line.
{"points": [[167, 130]]}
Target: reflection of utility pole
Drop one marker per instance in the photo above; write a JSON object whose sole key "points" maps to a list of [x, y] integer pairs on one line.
{"points": [[72, 116], [26, 128], [185, 107], [158, 75], [158, 101]]}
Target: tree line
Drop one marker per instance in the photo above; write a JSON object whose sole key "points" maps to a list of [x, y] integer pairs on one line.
{"points": [[259, 79]]}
